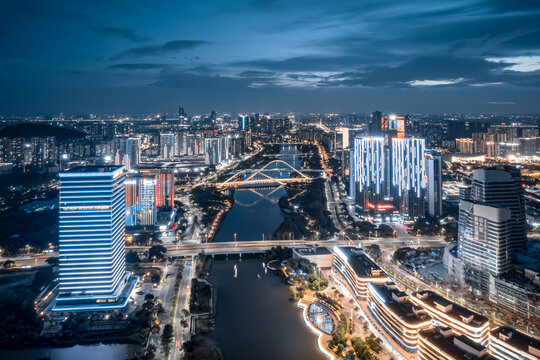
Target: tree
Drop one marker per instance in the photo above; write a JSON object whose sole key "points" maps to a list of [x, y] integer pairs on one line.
{"points": [[362, 350], [374, 343], [9, 264], [156, 253], [167, 336], [184, 313], [52, 261], [132, 257]]}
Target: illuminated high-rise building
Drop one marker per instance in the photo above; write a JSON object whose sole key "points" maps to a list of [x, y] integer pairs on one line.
{"points": [[434, 184], [367, 169], [483, 243], [166, 143], [92, 272], [409, 176], [128, 151]]}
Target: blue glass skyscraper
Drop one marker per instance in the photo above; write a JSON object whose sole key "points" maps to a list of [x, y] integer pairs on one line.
{"points": [[92, 271]]}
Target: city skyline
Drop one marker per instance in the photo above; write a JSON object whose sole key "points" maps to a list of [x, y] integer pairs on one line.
{"points": [[479, 56]]}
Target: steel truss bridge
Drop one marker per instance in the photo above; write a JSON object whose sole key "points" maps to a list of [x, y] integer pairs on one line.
{"points": [[275, 173]]}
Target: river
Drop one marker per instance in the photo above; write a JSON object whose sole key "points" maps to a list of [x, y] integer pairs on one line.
{"points": [[255, 318], [256, 211]]}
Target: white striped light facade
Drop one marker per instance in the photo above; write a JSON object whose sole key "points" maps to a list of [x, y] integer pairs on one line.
{"points": [[409, 166], [368, 164], [358, 282], [92, 272], [469, 325], [402, 330]]}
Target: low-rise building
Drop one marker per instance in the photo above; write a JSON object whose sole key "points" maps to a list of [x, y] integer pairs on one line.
{"points": [[400, 318], [448, 314], [507, 343], [320, 256], [440, 343], [358, 269]]}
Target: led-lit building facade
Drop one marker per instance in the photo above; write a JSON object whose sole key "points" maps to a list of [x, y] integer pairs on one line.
{"points": [[434, 185], [398, 316], [448, 314], [507, 343], [389, 177], [440, 343], [167, 148], [147, 192], [367, 171], [409, 176], [358, 269], [92, 273], [141, 204], [127, 151]]}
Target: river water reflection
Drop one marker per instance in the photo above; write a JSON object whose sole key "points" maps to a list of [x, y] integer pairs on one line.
{"points": [[255, 318], [256, 211]]}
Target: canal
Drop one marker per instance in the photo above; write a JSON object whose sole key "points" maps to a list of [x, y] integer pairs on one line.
{"points": [[256, 212], [255, 317]]}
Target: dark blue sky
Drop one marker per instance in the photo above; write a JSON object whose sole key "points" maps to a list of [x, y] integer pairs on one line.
{"points": [[269, 55]]}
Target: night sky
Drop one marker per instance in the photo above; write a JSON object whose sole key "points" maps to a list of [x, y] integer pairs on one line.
{"points": [[269, 55]]}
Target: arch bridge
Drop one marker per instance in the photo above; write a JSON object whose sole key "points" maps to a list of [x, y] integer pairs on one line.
{"points": [[275, 173]]}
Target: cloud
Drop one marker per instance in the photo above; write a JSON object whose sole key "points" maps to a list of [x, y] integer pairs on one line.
{"points": [[123, 33], [435, 82], [138, 66], [501, 103], [519, 63], [164, 49]]}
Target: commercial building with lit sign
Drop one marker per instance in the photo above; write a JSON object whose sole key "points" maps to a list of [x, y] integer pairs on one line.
{"points": [[92, 272]]}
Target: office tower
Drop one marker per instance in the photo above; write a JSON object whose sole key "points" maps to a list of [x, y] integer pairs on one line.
{"points": [[342, 138], [375, 124], [216, 150], [141, 202], [483, 243], [367, 169], [434, 184], [128, 151], [455, 128], [408, 176], [92, 273], [166, 142], [502, 186], [243, 122], [165, 188]]}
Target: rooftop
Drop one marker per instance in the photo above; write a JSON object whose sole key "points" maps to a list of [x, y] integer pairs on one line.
{"points": [[362, 265], [403, 307], [457, 346], [516, 339], [456, 311], [306, 251], [92, 169]]}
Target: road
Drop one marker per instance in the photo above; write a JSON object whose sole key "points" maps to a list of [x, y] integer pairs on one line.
{"points": [[181, 334]]}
